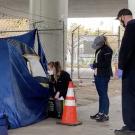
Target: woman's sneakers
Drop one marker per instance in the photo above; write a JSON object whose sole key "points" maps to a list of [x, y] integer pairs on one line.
{"points": [[100, 117]]}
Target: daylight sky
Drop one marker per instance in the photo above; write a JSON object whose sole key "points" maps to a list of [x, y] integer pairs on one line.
{"points": [[106, 23]]}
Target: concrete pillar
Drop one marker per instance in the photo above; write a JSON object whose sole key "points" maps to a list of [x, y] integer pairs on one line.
{"points": [[131, 6], [52, 14]]}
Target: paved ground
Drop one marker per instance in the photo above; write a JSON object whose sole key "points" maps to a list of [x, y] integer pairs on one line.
{"points": [[86, 92], [89, 127], [87, 104]]}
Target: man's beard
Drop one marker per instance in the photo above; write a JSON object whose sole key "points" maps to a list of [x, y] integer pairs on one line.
{"points": [[123, 24]]}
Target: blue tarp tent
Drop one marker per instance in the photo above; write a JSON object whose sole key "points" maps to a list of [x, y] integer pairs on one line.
{"points": [[22, 98]]}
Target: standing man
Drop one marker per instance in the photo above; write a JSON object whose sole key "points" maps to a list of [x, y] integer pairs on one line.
{"points": [[126, 71]]}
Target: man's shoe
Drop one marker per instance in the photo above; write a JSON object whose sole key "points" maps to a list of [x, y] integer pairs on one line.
{"points": [[124, 131], [94, 116], [102, 118]]}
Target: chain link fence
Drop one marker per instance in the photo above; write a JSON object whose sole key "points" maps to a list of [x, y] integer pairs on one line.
{"points": [[82, 55]]}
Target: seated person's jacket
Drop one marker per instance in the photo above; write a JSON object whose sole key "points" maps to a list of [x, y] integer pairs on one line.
{"points": [[62, 84], [51, 86]]}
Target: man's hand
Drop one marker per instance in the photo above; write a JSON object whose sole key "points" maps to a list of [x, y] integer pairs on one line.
{"points": [[120, 73]]}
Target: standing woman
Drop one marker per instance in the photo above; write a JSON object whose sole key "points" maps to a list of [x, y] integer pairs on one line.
{"points": [[102, 73]]}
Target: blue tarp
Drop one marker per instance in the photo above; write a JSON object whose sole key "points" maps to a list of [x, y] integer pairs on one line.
{"points": [[22, 98]]}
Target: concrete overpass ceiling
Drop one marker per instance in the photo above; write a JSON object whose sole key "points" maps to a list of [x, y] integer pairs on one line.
{"points": [[95, 8], [77, 8]]}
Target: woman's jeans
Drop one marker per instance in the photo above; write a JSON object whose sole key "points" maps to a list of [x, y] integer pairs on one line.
{"points": [[102, 89]]}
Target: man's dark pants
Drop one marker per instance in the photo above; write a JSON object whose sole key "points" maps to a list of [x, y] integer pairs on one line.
{"points": [[128, 99]]}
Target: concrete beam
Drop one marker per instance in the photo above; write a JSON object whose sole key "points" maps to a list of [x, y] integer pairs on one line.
{"points": [[95, 8]]}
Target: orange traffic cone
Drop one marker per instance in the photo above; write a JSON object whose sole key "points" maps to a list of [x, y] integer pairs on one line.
{"points": [[69, 116]]}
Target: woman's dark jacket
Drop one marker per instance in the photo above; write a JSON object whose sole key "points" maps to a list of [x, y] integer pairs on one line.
{"points": [[102, 62]]}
